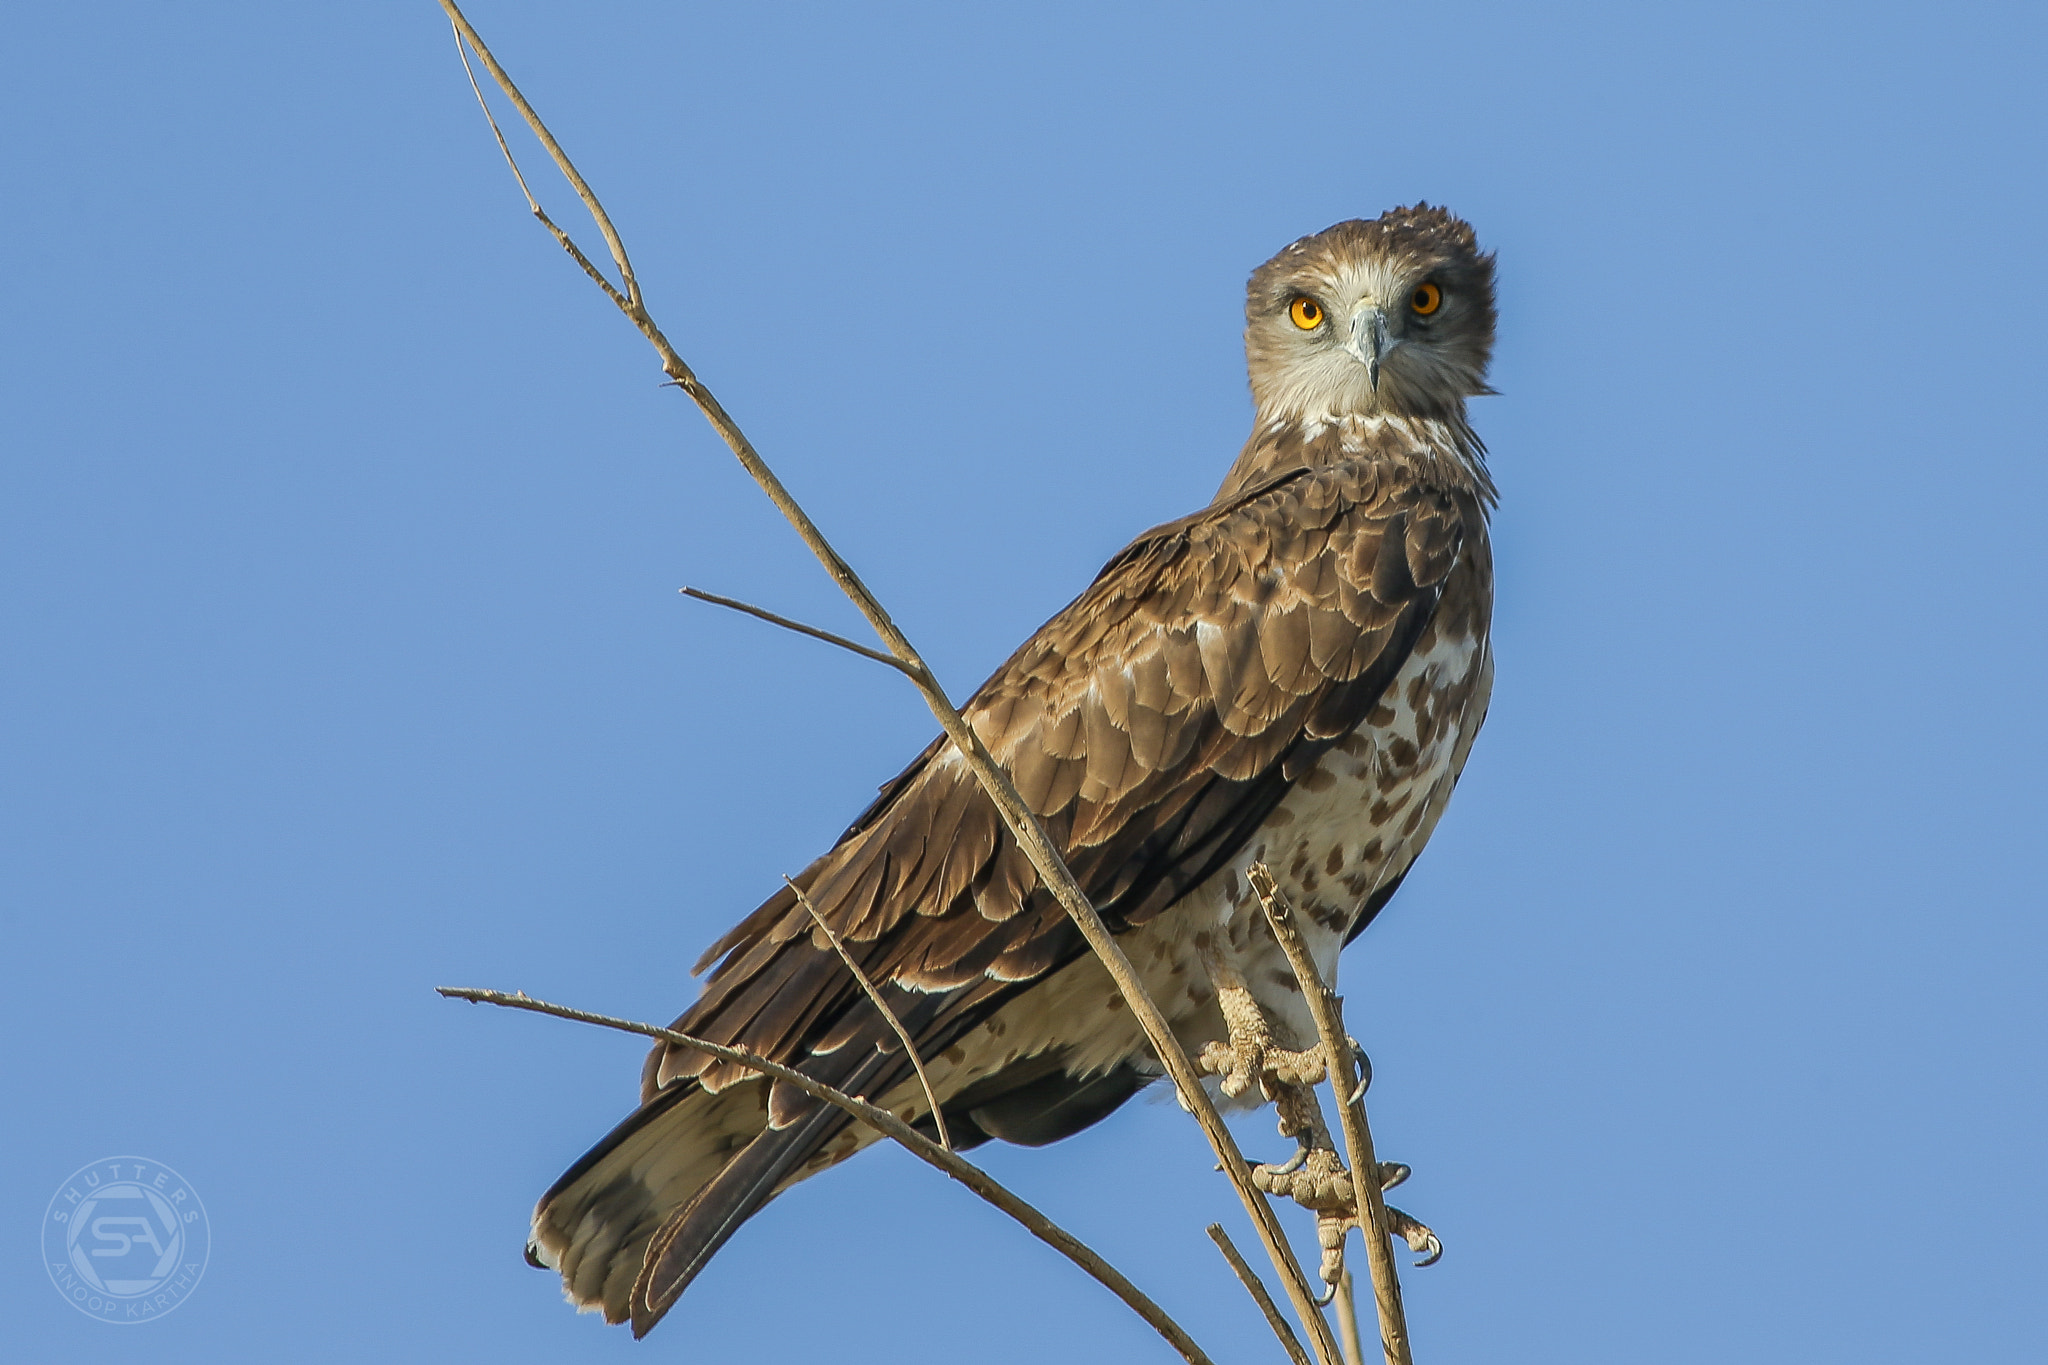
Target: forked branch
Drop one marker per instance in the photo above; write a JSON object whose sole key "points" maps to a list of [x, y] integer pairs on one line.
{"points": [[1016, 815], [763, 614]]}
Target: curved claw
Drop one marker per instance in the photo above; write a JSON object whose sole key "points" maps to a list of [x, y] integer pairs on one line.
{"points": [[1328, 1297], [1393, 1173], [1293, 1163], [1364, 1065], [1418, 1236]]}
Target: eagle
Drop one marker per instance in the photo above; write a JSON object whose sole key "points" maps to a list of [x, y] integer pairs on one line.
{"points": [[1292, 675]]}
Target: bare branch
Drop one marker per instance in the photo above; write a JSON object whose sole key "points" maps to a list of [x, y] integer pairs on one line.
{"points": [[1253, 1286], [1347, 1321], [562, 238], [1327, 1010], [1016, 815], [931, 1096], [465, 33], [886, 1123], [800, 628]]}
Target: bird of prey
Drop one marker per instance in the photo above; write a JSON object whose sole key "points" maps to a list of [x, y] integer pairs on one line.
{"points": [[1292, 675]]}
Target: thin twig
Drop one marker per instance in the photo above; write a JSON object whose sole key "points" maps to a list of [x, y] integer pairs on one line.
{"points": [[555, 152], [1347, 1321], [931, 1096], [1327, 1010], [886, 1123], [1250, 1280], [561, 238], [799, 627], [1010, 806]]}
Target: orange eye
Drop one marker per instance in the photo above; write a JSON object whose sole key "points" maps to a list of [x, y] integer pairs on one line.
{"points": [[1306, 313], [1426, 299]]}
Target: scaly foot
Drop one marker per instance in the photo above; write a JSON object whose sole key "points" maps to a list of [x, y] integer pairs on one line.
{"points": [[1251, 1054]]}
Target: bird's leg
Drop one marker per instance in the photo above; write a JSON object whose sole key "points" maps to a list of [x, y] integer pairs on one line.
{"points": [[1250, 1052], [1315, 1177]]}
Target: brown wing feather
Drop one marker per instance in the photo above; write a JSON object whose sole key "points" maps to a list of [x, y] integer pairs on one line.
{"points": [[1152, 724]]}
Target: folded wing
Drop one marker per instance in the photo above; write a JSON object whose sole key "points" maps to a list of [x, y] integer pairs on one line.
{"points": [[1152, 725]]}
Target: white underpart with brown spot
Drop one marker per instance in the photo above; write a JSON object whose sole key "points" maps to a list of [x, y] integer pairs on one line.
{"points": [[1353, 824]]}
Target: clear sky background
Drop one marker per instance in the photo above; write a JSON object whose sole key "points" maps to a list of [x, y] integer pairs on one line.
{"points": [[341, 524]]}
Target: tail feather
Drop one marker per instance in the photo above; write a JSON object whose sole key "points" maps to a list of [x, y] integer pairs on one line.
{"points": [[691, 1235], [633, 1222], [594, 1225]]}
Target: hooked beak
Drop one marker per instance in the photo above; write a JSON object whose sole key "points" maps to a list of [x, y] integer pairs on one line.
{"points": [[1368, 342]]}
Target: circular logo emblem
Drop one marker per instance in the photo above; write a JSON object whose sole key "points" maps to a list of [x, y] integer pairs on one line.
{"points": [[125, 1239]]}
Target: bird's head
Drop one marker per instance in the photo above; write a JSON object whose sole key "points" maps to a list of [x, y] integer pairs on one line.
{"points": [[1389, 316]]}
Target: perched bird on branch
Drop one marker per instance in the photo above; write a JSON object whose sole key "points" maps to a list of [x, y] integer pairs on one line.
{"points": [[1292, 675]]}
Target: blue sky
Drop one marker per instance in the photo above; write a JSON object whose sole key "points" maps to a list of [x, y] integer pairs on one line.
{"points": [[341, 524]]}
